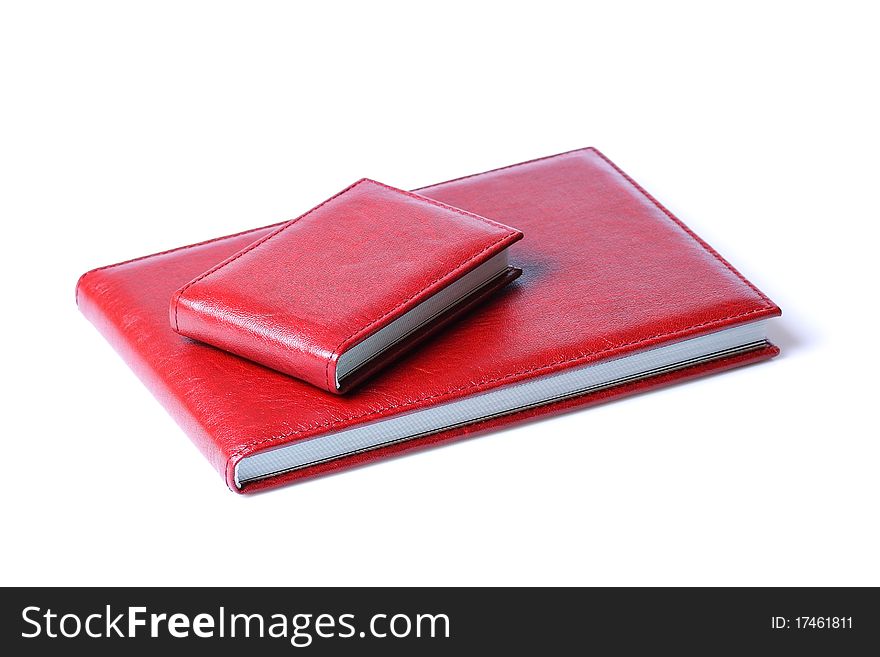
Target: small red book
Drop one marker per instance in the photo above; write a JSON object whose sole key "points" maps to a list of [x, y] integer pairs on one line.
{"points": [[617, 296], [338, 293]]}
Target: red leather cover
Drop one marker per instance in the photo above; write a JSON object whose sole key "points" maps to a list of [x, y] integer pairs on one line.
{"points": [[298, 298], [606, 271]]}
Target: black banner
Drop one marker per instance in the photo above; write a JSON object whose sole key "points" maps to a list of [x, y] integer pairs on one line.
{"points": [[440, 621]]}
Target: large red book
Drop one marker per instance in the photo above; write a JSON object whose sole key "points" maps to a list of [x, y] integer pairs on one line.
{"points": [[617, 296]]}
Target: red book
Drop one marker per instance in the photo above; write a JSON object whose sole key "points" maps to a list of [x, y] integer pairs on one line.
{"points": [[338, 293], [617, 296]]}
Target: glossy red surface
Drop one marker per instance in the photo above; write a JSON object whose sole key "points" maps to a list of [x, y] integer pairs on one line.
{"points": [[301, 296], [606, 271]]}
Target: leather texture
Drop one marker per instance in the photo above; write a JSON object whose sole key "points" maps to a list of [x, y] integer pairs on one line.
{"points": [[437, 324], [606, 271], [297, 299]]}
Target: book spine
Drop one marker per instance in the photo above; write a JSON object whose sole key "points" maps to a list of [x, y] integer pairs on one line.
{"points": [[280, 348], [95, 297]]}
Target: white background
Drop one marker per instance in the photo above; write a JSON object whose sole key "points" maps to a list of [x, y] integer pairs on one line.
{"points": [[129, 128]]}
